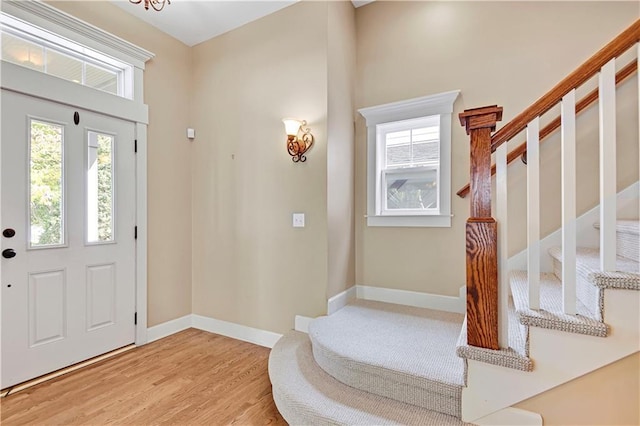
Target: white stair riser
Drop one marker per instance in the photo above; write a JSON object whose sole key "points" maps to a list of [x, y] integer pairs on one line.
{"points": [[627, 238], [628, 246], [558, 357]]}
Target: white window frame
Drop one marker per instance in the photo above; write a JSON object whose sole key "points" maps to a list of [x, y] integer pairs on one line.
{"points": [[103, 45], [382, 170], [379, 119], [51, 42]]}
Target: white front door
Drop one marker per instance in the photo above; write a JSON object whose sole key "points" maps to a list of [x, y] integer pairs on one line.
{"points": [[68, 247]]}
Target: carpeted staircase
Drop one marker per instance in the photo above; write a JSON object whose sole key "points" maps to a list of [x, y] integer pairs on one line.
{"points": [[379, 363]]}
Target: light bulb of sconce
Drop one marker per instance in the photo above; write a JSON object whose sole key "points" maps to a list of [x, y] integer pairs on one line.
{"points": [[291, 126]]}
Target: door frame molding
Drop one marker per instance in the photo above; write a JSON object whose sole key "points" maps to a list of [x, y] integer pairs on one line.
{"points": [[36, 84], [141, 242]]}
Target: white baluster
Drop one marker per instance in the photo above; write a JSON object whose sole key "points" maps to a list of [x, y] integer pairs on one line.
{"points": [[607, 93], [568, 117], [503, 253], [638, 80], [533, 212]]}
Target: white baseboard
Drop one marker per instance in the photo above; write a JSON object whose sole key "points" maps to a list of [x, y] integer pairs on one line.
{"points": [[212, 325], [400, 297], [510, 417], [236, 331], [341, 300], [168, 328], [302, 323], [414, 298]]}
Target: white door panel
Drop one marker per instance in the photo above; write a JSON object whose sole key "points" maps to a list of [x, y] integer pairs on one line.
{"points": [[46, 307], [101, 296], [68, 191]]}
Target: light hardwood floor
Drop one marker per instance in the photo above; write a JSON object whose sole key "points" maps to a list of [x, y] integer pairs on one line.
{"points": [[190, 378]]}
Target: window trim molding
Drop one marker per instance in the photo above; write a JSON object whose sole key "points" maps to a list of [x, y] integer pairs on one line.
{"points": [[438, 104], [65, 25], [51, 43], [40, 85], [62, 24]]}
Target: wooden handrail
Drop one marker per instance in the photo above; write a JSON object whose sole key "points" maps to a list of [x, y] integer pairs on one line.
{"points": [[554, 125], [615, 48]]}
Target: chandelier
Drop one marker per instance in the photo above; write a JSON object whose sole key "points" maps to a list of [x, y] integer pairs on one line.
{"points": [[155, 4]]}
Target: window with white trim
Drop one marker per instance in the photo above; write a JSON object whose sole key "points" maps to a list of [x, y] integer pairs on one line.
{"points": [[32, 47], [409, 162]]}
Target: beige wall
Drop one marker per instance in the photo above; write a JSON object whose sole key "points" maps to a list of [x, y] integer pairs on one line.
{"points": [[341, 65], [249, 265], [237, 186], [167, 86], [608, 396], [244, 249], [505, 53]]}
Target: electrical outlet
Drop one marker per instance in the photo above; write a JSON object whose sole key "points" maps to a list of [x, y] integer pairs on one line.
{"points": [[298, 220]]}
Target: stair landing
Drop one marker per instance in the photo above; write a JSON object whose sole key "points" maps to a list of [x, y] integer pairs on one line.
{"points": [[400, 352], [306, 394]]}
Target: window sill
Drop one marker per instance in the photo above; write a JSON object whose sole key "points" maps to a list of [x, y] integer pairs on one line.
{"points": [[424, 221]]}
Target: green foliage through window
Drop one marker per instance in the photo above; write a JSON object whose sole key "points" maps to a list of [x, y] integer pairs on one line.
{"points": [[46, 166], [105, 188]]}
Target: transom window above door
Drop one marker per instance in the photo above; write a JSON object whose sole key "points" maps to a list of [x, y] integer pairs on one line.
{"points": [[29, 46]]}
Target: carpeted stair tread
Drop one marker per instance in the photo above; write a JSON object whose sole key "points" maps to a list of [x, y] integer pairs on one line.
{"points": [[306, 395], [591, 282], [550, 314], [626, 276], [400, 352], [627, 238], [516, 356]]}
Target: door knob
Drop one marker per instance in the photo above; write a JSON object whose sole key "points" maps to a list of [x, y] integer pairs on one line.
{"points": [[8, 253], [9, 233]]}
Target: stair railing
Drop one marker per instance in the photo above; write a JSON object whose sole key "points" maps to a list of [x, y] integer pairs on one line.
{"points": [[548, 130], [487, 275]]}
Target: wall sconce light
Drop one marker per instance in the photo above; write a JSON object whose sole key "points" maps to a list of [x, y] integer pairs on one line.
{"points": [[297, 146]]}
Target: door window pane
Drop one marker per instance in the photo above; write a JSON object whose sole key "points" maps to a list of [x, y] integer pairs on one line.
{"points": [[99, 187], [46, 207]]}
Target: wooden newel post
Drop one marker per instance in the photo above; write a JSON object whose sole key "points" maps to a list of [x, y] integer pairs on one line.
{"points": [[482, 233]]}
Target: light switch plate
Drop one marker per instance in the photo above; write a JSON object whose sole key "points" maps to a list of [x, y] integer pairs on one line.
{"points": [[298, 220]]}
